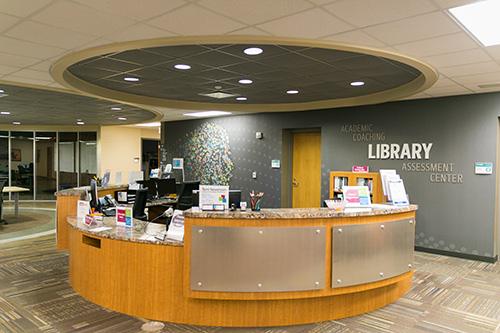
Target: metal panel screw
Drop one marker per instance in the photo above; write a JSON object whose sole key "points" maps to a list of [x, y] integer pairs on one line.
{"points": [[382, 226], [339, 281], [409, 265], [340, 231], [199, 284], [260, 232], [381, 274], [200, 231], [259, 285], [318, 231], [411, 221], [316, 283]]}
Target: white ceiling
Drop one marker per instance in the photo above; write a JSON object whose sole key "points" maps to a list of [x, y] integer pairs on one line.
{"points": [[35, 34]]}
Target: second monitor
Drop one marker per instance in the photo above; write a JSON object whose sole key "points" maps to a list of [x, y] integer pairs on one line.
{"points": [[166, 187]]}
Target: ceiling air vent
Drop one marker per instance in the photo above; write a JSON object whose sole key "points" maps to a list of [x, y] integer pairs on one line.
{"points": [[219, 95]]}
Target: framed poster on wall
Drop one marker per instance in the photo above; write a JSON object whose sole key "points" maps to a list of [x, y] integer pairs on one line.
{"points": [[15, 155]]}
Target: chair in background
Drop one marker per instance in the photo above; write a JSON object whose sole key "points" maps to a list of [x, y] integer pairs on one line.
{"points": [[141, 197], [2, 185], [185, 199]]}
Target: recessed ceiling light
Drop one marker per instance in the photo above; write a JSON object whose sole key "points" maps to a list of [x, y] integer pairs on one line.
{"points": [[182, 66], [16, 123], [5, 112], [245, 81], [80, 123], [131, 79], [122, 118], [292, 92], [241, 98], [1, 91], [207, 113], [481, 20], [357, 83], [253, 50], [116, 109]]}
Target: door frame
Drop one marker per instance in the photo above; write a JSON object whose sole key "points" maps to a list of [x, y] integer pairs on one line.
{"points": [[287, 162]]}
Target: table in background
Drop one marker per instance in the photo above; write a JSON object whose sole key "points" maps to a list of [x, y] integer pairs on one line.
{"points": [[15, 190]]}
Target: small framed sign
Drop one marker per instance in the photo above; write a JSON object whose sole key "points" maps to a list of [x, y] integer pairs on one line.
{"points": [[360, 169], [483, 168]]}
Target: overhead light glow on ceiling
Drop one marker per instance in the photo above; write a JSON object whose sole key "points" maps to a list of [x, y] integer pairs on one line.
{"points": [[253, 50], [1, 91], [207, 113], [80, 123], [241, 98], [131, 79], [5, 112], [16, 123], [116, 109], [182, 66], [357, 83], [292, 92], [481, 20], [122, 118], [149, 124], [245, 81]]}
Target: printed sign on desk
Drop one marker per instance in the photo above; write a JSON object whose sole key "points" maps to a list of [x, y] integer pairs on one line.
{"points": [[124, 216], [357, 196], [213, 197]]}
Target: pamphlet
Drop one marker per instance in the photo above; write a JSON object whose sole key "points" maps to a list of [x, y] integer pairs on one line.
{"points": [[176, 227], [398, 192], [214, 197], [357, 196], [124, 216], [83, 208]]}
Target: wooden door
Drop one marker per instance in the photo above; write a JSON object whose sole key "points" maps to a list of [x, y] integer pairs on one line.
{"points": [[306, 170]]}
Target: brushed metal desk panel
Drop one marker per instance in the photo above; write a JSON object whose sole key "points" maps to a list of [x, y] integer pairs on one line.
{"points": [[363, 253], [257, 259]]}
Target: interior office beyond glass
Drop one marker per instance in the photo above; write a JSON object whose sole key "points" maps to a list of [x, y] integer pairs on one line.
{"points": [[45, 162]]}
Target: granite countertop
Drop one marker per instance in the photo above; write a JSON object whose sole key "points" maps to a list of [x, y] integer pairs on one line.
{"points": [[141, 232], [81, 190], [297, 213]]}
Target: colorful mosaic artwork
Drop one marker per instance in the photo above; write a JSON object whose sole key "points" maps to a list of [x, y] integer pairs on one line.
{"points": [[207, 155]]}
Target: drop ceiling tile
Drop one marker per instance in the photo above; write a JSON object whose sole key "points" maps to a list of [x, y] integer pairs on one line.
{"points": [[137, 32], [20, 8], [24, 80], [286, 60], [207, 22], [255, 11], [439, 45], [458, 58], [6, 70], [494, 51], [219, 74], [36, 32], [213, 59], [83, 19], [250, 31], [20, 47], [6, 21], [314, 23], [136, 10], [249, 68], [479, 79], [445, 4], [477, 89], [357, 37], [179, 50], [444, 82], [362, 13], [446, 91], [33, 74], [16, 60], [414, 29], [470, 69], [141, 57]]}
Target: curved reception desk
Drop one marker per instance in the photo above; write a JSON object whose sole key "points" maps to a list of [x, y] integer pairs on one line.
{"points": [[266, 268]]}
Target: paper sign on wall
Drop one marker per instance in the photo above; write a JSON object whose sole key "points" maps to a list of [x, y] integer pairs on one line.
{"points": [[483, 168]]}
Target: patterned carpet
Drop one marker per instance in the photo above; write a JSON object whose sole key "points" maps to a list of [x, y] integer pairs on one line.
{"points": [[448, 295]]}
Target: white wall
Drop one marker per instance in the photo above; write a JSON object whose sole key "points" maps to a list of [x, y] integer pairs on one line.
{"points": [[119, 146]]}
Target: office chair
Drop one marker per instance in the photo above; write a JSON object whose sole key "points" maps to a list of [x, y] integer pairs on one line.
{"points": [[141, 197], [2, 184], [185, 199]]}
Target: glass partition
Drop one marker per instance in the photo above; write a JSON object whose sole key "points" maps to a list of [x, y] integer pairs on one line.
{"points": [[45, 166], [21, 162], [4, 160], [88, 157], [67, 160]]}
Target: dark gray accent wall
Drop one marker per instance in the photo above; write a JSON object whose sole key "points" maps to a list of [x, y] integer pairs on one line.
{"points": [[457, 217]]}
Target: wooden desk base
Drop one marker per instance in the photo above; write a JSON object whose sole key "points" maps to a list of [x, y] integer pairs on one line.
{"points": [[146, 280]]}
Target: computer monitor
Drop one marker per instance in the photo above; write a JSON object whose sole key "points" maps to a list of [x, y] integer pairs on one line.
{"points": [[94, 199], [150, 185], [166, 187], [234, 198]]}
